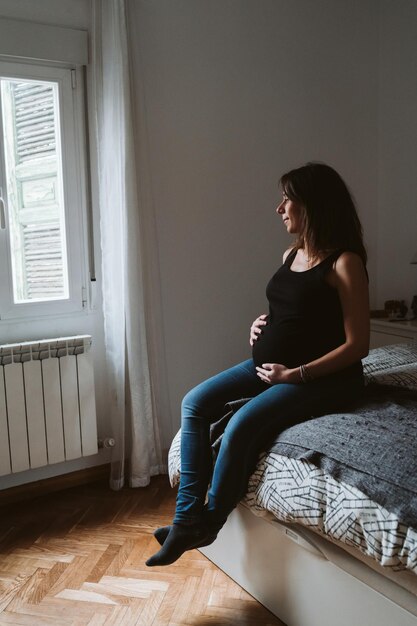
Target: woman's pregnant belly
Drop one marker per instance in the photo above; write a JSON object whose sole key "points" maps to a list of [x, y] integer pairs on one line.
{"points": [[282, 342]]}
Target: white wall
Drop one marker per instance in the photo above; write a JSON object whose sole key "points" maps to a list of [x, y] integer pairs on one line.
{"points": [[397, 152], [237, 92], [70, 13]]}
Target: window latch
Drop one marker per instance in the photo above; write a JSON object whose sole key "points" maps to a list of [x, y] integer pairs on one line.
{"points": [[84, 297]]}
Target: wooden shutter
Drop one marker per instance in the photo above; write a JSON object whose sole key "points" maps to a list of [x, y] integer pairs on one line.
{"points": [[38, 257]]}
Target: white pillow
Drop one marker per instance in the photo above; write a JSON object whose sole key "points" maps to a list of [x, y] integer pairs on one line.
{"points": [[394, 365]]}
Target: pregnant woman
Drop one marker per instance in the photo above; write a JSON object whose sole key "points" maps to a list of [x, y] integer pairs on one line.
{"points": [[306, 357]]}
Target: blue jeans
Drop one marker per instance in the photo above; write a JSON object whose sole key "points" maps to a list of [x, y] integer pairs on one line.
{"points": [[252, 428]]}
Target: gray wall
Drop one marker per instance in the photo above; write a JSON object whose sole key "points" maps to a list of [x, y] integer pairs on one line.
{"points": [[397, 151]]}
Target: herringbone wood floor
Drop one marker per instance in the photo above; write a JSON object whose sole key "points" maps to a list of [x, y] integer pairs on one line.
{"points": [[76, 558]]}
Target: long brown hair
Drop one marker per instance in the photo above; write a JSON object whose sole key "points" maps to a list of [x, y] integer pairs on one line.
{"points": [[330, 219]]}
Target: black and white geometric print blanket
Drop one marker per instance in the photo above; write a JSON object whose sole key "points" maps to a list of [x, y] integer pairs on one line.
{"points": [[393, 366], [372, 447]]}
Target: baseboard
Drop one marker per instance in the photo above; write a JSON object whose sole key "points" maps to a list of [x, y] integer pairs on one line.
{"points": [[55, 483]]}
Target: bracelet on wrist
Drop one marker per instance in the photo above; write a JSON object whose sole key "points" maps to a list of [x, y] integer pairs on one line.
{"points": [[305, 374]]}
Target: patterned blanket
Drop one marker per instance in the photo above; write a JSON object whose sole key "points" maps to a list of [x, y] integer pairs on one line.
{"points": [[371, 447], [296, 491]]}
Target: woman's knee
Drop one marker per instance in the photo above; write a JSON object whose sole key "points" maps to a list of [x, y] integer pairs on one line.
{"points": [[247, 428], [196, 403], [208, 399], [189, 402]]}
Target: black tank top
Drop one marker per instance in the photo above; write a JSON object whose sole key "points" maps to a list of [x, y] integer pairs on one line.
{"points": [[305, 317]]}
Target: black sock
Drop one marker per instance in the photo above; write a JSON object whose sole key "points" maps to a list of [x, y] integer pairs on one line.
{"points": [[161, 534], [180, 539], [213, 520]]}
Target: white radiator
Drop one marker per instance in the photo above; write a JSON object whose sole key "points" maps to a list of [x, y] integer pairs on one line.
{"points": [[47, 403]]}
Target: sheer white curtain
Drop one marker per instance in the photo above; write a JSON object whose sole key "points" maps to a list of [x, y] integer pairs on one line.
{"points": [[130, 396]]}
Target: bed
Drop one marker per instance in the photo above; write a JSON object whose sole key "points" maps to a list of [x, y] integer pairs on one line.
{"points": [[327, 532]]}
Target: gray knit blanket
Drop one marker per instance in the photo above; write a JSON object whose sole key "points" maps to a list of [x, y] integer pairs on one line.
{"points": [[371, 446]]}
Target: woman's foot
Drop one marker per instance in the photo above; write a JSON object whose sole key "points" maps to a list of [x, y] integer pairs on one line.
{"points": [[161, 534], [180, 539]]}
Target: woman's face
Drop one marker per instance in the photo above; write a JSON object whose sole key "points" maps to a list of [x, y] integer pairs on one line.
{"points": [[292, 213]]}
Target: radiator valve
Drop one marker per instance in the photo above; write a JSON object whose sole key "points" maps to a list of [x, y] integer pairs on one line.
{"points": [[108, 442]]}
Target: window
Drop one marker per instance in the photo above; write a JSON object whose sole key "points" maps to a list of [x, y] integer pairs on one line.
{"points": [[42, 211]]}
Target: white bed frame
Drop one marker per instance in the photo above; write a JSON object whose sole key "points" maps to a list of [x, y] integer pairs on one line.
{"points": [[304, 579]]}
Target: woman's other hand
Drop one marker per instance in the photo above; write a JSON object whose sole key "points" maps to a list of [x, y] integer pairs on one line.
{"points": [[274, 373], [256, 328]]}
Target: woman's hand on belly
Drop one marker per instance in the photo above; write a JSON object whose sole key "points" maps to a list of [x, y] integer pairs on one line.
{"points": [[275, 373], [256, 328]]}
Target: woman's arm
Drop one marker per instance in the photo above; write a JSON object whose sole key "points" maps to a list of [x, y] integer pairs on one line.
{"points": [[349, 278]]}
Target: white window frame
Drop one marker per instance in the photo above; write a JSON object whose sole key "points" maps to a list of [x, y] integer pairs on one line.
{"points": [[73, 142]]}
